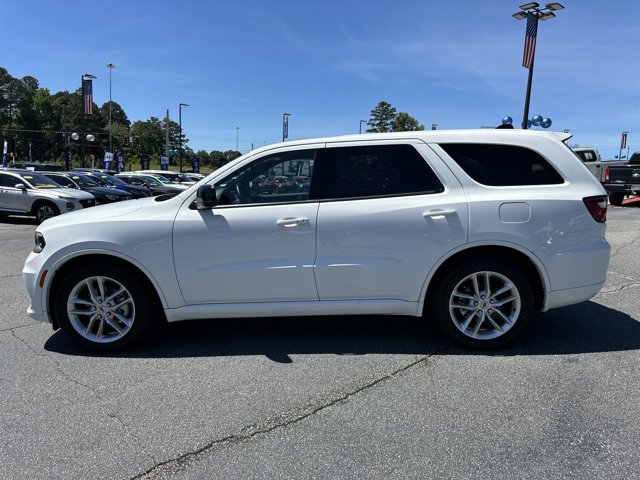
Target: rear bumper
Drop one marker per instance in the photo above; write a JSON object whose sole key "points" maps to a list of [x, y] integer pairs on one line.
{"points": [[571, 296]]}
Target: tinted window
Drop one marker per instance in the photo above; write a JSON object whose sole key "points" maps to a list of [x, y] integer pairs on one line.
{"points": [[502, 165], [377, 170]]}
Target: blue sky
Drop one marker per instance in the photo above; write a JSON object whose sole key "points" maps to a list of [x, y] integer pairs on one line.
{"points": [[243, 63]]}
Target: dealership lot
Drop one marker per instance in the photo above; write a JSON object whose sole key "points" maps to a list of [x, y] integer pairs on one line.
{"points": [[371, 397]]}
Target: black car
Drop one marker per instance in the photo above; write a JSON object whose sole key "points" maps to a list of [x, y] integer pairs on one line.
{"points": [[152, 183], [109, 181], [82, 181]]}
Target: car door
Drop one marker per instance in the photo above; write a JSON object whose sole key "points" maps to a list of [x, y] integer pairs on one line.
{"points": [[9, 193], [386, 217], [255, 245]]}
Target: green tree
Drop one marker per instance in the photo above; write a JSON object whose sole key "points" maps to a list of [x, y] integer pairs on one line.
{"points": [[406, 123], [382, 118]]}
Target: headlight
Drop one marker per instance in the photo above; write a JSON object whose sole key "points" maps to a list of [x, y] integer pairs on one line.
{"points": [[112, 197], [39, 243]]}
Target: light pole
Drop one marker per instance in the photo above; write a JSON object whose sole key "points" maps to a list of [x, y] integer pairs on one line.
{"points": [[285, 125], [533, 13], [110, 66], [87, 106], [361, 122], [180, 134]]}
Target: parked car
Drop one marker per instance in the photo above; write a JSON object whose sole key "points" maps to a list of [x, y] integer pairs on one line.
{"points": [[109, 181], [151, 182], [25, 192], [476, 229], [623, 180], [177, 177], [82, 181]]}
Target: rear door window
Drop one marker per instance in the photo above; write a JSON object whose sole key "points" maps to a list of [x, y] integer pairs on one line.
{"points": [[502, 165], [375, 171]]}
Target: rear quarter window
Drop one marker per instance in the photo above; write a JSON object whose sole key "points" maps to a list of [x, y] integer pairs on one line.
{"points": [[502, 165]]}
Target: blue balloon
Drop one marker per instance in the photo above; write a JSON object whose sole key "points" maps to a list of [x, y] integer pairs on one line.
{"points": [[507, 120], [528, 123], [536, 120], [546, 123]]}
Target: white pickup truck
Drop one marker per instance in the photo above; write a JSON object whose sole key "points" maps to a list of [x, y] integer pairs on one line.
{"points": [[593, 161]]}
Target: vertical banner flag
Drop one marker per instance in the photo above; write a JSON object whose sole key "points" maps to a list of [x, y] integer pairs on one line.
{"points": [[530, 40], [195, 165], [164, 163], [120, 162], [87, 96], [285, 127], [144, 162], [623, 141], [108, 160], [4, 153]]}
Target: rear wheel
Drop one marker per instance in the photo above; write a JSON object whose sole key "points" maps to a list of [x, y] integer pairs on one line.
{"points": [[616, 198], [102, 307], [45, 210], [483, 303]]}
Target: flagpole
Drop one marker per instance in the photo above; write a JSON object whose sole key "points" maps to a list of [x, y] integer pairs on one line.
{"points": [[533, 14], [527, 98]]}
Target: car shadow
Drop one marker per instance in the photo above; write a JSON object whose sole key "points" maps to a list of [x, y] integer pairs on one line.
{"points": [[18, 220], [584, 328]]}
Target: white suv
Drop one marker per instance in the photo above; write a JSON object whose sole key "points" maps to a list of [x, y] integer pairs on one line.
{"points": [[25, 192], [476, 229]]}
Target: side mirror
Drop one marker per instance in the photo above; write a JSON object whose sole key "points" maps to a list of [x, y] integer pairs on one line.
{"points": [[206, 197], [21, 186]]}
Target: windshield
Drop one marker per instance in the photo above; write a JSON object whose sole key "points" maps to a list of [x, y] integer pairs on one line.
{"points": [[100, 181], [36, 180], [110, 179], [162, 179], [84, 181], [151, 180]]}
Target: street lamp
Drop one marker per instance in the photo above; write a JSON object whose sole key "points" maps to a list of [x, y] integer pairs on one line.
{"points": [[180, 135], [361, 122], [533, 13], [285, 125], [110, 66], [87, 105]]}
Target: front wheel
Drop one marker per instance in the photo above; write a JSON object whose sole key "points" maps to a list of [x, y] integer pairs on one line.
{"points": [[483, 303], [45, 210], [102, 307]]}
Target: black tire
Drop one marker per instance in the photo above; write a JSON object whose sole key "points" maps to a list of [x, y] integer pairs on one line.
{"points": [[43, 210], [474, 315], [113, 311], [616, 198]]}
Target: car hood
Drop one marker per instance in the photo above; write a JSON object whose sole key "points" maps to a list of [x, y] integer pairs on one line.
{"points": [[99, 213], [105, 191], [65, 193]]}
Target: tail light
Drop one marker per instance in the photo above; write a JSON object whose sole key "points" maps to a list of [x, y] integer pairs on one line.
{"points": [[597, 207], [606, 175]]}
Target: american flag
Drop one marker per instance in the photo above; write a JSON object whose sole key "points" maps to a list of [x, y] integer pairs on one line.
{"points": [[87, 96], [530, 40]]}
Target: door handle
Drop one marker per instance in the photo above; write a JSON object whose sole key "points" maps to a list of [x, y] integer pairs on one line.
{"points": [[438, 213], [291, 222]]}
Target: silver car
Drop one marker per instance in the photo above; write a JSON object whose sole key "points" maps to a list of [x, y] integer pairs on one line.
{"points": [[24, 192]]}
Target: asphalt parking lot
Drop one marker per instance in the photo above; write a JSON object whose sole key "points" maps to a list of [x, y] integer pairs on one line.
{"points": [[371, 397]]}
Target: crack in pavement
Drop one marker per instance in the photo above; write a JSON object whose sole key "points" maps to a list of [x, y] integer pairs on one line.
{"points": [[169, 467], [619, 288], [101, 401], [622, 247]]}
